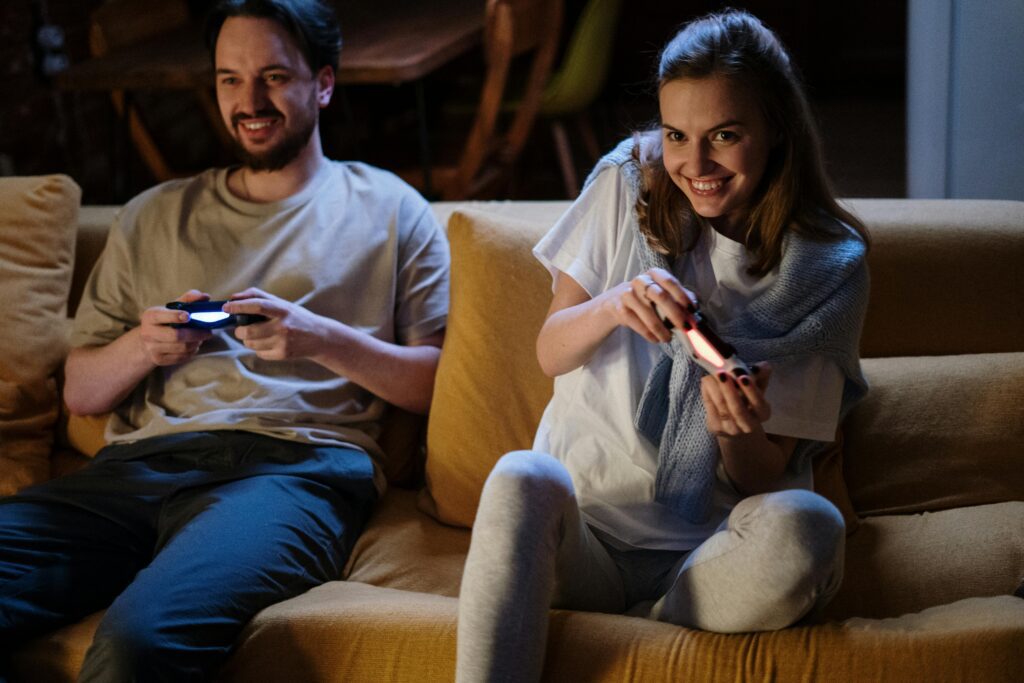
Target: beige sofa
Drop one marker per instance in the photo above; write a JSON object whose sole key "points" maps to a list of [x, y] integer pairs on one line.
{"points": [[930, 478]]}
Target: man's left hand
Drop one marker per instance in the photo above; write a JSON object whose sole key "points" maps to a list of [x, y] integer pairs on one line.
{"points": [[291, 331]]}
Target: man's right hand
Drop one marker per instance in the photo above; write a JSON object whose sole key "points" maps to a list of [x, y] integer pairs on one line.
{"points": [[166, 345]]}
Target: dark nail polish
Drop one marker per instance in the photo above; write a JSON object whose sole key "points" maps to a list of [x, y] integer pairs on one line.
{"points": [[687, 326], [755, 369], [722, 377], [745, 381]]}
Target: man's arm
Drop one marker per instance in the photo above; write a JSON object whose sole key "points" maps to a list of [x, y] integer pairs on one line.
{"points": [[402, 375], [98, 378]]}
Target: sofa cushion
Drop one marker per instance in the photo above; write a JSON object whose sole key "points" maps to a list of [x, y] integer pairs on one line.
{"points": [[490, 392], [937, 432], [945, 276], [37, 233], [347, 631], [404, 548], [897, 564]]}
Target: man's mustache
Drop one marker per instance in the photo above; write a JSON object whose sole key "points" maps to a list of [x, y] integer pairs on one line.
{"points": [[261, 114]]}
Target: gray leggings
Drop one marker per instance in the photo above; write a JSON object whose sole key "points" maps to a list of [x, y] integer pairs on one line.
{"points": [[777, 558]]}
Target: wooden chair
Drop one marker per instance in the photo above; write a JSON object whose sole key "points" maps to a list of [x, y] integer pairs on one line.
{"points": [[120, 23], [513, 29]]}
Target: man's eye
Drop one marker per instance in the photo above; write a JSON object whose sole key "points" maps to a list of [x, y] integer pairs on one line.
{"points": [[276, 78], [228, 80], [725, 136]]}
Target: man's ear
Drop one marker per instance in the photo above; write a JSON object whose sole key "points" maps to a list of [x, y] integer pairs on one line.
{"points": [[324, 85]]}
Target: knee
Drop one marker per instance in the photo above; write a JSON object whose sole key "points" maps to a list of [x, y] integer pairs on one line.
{"points": [[131, 646], [809, 530], [528, 478]]}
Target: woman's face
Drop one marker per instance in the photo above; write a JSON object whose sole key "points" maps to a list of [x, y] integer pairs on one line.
{"points": [[715, 144]]}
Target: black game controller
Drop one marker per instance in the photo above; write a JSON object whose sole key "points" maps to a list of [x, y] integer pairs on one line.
{"points": [[208, 315], [707, 349]]}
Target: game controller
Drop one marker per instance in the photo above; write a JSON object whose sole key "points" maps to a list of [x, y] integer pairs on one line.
{"points": [[208, 315], [707, 349]]}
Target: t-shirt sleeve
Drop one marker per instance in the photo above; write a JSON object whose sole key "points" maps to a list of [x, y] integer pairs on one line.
{"points": [[589, 243], [108, 307], [805, 395], [423, 272]]}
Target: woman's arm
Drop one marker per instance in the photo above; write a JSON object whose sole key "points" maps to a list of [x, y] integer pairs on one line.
{"points": [[576, 324], [754, 460]]}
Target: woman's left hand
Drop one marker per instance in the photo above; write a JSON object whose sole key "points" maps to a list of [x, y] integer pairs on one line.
{"points": [[736, 405]]}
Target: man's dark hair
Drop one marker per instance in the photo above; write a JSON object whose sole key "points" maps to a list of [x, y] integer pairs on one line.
{"points": [[311, 23]]}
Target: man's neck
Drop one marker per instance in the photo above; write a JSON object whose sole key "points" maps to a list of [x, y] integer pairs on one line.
{"points": [[272, 186]]}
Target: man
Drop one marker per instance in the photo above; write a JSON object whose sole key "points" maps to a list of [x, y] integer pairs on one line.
{"points": [[242, 464]]}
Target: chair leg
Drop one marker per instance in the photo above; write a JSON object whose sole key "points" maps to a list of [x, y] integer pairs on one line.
{"points": [[565, 161], [586, 129]]}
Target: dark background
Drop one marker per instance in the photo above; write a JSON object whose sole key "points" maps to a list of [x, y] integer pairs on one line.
{"points": [[852, 56]]}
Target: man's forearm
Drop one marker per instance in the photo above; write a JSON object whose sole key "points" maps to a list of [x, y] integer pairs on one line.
{"points": [[401, 375], [98, 378]]}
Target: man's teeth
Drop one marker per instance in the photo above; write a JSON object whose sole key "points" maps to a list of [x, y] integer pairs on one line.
{"points": [[255, 125], [706, 185]]}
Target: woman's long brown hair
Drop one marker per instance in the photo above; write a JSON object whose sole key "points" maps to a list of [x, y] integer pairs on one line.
{"points": [[794, 192]]}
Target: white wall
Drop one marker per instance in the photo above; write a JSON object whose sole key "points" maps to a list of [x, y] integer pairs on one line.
{"points": [[965, 99]]}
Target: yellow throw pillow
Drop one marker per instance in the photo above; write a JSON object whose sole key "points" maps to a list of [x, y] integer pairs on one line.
{"points": [[490, 391], [38, 219]]}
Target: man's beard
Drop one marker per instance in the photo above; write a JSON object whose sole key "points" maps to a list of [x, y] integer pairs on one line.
{"points": [[278, 156]]}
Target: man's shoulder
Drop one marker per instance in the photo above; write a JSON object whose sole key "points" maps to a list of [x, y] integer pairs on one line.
{"points": [[172, 191], [372, 180]]}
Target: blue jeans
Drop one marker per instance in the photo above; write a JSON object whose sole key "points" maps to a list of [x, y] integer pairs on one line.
{"points": [[183, 538]]}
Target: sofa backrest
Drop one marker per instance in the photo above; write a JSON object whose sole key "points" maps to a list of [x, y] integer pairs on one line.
{"points": [[490, 393]]}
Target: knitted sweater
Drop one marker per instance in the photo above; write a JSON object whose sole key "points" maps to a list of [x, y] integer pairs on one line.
{"points": [[815, 306]]}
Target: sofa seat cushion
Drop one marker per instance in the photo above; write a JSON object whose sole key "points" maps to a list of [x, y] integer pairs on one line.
{"points": [[352, 632], [37, 241], [937, 432], [406, 549], [349, 631], [898, 564]]}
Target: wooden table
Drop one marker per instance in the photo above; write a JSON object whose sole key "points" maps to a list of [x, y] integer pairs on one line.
{"points": [[402, 43], [399, 43]]}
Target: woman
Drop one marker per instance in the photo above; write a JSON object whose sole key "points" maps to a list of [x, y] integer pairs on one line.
{"points": [[654, 488]]}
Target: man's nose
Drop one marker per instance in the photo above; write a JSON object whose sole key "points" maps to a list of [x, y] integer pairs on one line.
{"points": [[254, 97]]}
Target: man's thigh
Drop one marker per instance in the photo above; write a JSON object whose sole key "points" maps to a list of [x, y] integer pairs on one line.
{"points": [[225, 552]]}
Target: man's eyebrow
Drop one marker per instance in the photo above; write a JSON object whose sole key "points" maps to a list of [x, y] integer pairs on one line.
{"points": [[269, 67]]}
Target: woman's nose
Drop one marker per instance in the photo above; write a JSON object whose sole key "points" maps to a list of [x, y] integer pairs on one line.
{"points": [[698, 159]]}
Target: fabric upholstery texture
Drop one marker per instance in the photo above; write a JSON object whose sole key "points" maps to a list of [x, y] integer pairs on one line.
{"points": [[937, 432], [37, 240], [900, 564], [929, 294], [486, 403]]}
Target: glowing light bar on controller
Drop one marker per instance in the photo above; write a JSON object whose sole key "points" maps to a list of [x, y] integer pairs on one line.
{"points": [[209, 316], [704, 349]]}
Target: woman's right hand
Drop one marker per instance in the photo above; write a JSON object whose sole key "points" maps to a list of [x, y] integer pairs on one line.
{"points": [[631, 304]]}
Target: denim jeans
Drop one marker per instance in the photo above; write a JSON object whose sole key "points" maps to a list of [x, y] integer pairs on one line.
{"points": [[183, 538]]}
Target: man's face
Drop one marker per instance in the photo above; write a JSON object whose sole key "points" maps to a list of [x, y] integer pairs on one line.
{"points": [[268, 97]]}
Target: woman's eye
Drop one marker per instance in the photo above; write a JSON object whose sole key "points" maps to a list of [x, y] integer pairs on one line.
{"points": [[674, 136], [725, 136]]}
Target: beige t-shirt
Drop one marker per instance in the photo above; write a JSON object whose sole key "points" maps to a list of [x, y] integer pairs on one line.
{"points": [[356, 244]]}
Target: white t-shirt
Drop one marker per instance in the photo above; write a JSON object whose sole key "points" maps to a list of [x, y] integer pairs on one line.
{"points": [[356, 244], [588, 425]]}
